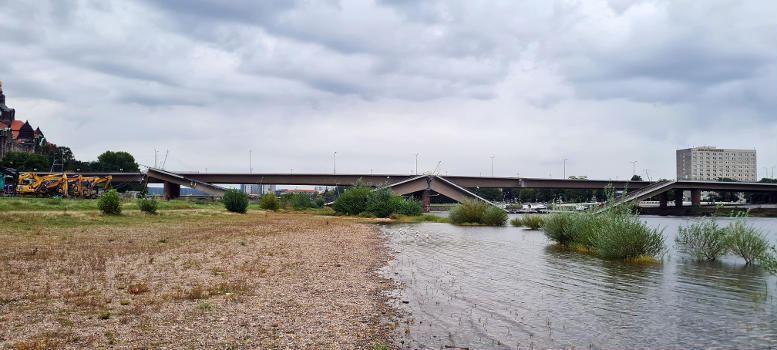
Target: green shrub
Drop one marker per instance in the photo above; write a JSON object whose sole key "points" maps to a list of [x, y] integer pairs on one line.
{"points": [[625, 236], [494, 216], [703, 239], [296, 201], [532, 221], [477, 212], [380, 203], [516, 222], [746, 241], [236, 201], [268, 201], [383, 202], [768, 261], [467, 212], [148, 205], [558, 228], [411, 207], [613, 234], [353, 201], [110, 203], [366, 214]]}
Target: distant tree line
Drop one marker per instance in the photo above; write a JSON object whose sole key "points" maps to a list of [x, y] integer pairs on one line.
{"points": [[61, 159]]}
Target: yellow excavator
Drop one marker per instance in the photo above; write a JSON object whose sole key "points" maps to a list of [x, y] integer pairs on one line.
{"points": [[79, 186], [30, 184]]}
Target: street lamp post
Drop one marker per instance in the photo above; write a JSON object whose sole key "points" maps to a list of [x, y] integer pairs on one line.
{"points": [[416, 163], [565, 168], [334, 163], [492, 166]]}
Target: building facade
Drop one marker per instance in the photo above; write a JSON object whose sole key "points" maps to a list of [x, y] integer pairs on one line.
{"points": [[710, 164], [15, 135]]}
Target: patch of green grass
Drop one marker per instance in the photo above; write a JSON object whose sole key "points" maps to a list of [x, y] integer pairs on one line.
{"points": [[381, 346], [204, 306]]}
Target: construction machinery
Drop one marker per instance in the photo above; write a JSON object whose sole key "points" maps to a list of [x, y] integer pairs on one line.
{"points": [[61, 185]]}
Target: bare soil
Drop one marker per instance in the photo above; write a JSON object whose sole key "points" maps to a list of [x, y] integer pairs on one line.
{"points": [[191, 279]]}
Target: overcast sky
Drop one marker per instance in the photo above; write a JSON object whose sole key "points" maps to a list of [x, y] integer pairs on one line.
{"points": [[600, 83]]}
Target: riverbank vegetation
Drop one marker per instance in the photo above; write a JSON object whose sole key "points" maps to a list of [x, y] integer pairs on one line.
{"points": [[614, 234], [705, 239], [472, 212], [362, 201]]}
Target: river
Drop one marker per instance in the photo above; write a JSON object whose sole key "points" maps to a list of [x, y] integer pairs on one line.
{"points": [[510, 288]]}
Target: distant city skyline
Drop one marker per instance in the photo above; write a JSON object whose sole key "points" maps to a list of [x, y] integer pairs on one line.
{"points": [[600, 84]]}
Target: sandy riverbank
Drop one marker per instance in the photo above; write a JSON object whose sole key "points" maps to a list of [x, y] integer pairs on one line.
{"points": [[191, 280]]}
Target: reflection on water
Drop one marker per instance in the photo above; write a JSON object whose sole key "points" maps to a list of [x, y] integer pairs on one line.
{"points": [[481, 287]]}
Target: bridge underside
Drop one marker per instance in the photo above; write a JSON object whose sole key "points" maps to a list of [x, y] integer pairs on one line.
{"points": [[173, 182], [428, 183]]}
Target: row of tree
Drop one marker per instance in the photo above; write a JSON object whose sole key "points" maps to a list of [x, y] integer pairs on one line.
{"points": [[61, 159]]}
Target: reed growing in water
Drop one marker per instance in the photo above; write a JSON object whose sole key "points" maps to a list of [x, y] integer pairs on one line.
{"points": [[617, 233], [477, 213]]}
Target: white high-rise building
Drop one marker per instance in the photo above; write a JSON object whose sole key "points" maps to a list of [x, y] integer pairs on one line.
{"points": [[710, 164]]}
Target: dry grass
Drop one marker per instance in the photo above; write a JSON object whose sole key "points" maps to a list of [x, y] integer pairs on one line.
{"points": [[219, 280]]}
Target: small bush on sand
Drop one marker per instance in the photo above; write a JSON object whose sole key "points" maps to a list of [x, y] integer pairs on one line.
{"points": [[236, 201], [532, 221], [411, 207], [268, 201], [746, 241], [703, 239], [110, 203], [353, 201], [148, 205], [382, 202]]}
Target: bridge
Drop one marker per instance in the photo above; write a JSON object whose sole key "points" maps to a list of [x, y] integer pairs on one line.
{"points": [[454, 187]]}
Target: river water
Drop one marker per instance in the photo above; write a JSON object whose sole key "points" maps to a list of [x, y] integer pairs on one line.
{"points": [[509, 288]]}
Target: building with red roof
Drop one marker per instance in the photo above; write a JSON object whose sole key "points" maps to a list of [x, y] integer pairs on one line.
{"points": [[16, 135]]}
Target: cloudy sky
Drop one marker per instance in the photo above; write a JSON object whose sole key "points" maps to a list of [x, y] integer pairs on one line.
{"points": [[600, 83]]}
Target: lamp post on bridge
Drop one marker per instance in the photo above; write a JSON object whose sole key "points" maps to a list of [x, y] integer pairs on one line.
{"points": [[564, 174], [334, 163], [416, 163], [492, 166]]}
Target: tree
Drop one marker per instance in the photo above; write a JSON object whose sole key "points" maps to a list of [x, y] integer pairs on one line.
{"points": [[23, 161], [117, 161], [636, 178]]}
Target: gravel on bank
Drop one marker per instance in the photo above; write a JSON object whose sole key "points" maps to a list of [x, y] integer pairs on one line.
{"points": [[210, 280]]}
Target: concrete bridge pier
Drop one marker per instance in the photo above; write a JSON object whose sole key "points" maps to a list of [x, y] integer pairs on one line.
{"points": [[696, 198], [678, 198], [663, 198], [426, 200], [171, 190]]}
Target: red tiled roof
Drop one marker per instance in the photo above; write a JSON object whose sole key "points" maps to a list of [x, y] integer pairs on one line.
{"points": [[3, 126], [16, 125]]}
